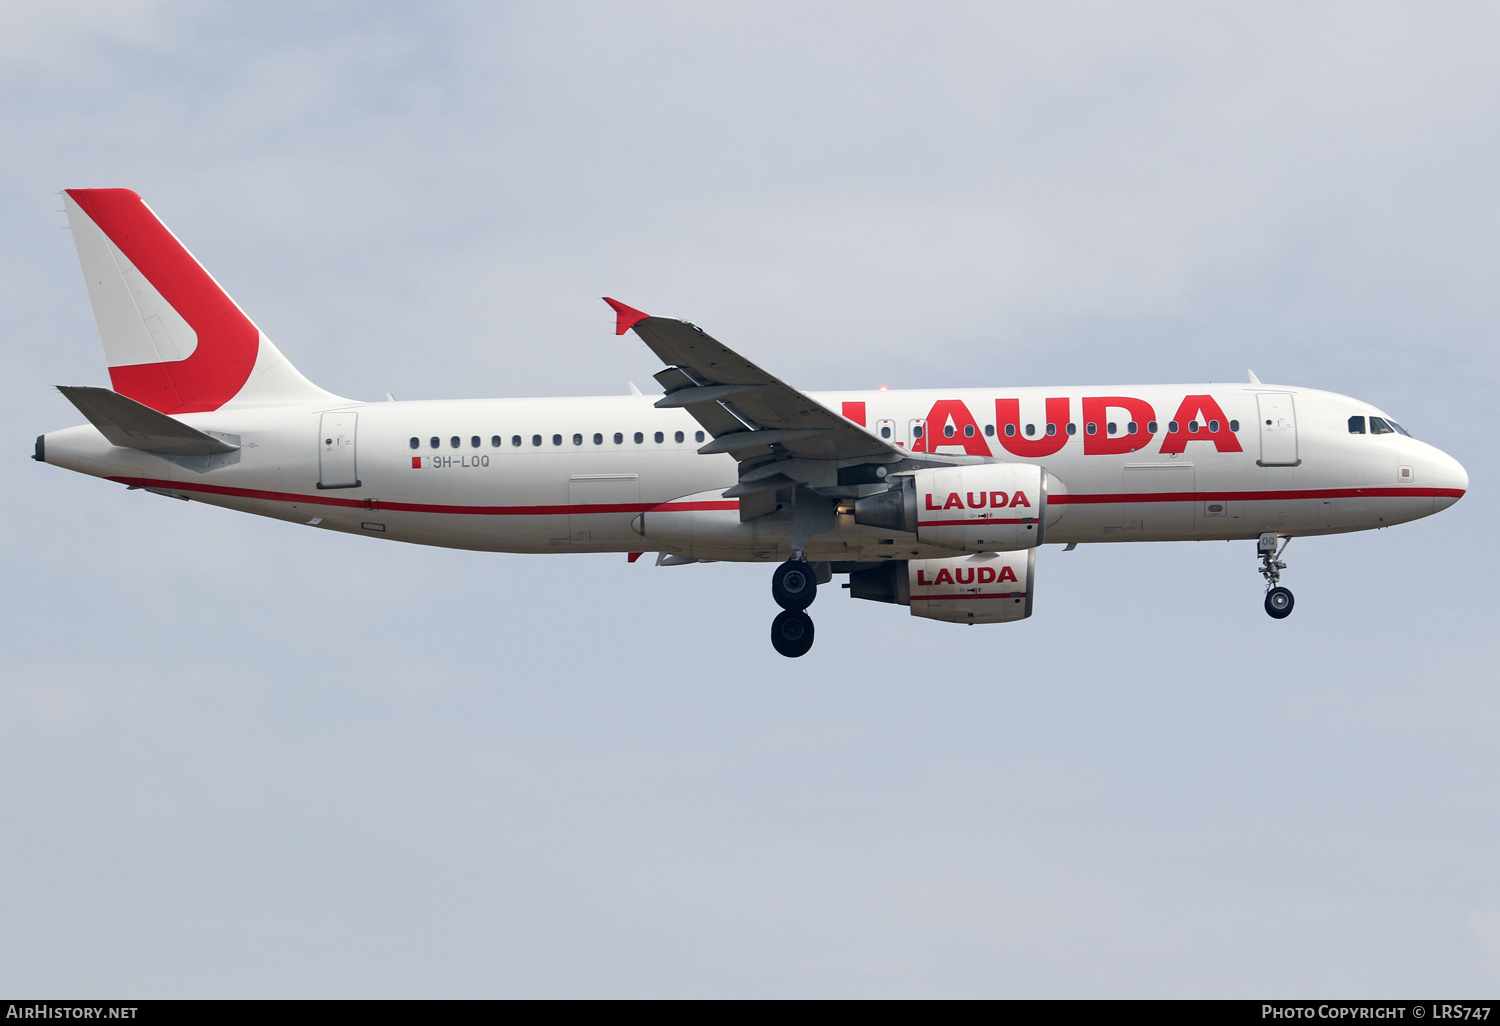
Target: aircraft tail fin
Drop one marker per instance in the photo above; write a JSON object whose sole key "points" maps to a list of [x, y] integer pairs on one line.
{"points": [[173, 339]]}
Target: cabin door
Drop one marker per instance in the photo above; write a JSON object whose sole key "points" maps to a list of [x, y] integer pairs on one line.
{"points": [[336, 466], [1278, 430]]}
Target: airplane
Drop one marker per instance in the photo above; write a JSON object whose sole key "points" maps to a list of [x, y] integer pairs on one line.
{"points": [[934, 499]]}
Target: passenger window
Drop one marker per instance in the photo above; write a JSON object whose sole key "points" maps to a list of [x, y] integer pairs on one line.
{"points": [[916, 431], [1130, 428], [678, 437], [1010, 431], [639, 438], [598, 438], [1213, 426], [557, 439], [515, 440], [619, 438], [1192, 427], [948, 431], [1380, 427], [660, 437], [416, 443], [1091, 428], [1356, 425], [577, 439], [1171, 427], [697, 436], [969, 431], [885, 432], [1072, 428], [536, 439], [1151, 427], [496, 441], [454, 441], [1110, 427], [989, 429], [1234, 425], [1030, 430], [1051, 430], [474, 442], [436, 442]]}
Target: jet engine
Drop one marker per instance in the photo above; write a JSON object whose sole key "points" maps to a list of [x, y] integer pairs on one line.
{"points": [[988, 587], [989, 507]]}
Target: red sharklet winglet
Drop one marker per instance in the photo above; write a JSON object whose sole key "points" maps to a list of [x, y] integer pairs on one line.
{"points": [[625, 317]]}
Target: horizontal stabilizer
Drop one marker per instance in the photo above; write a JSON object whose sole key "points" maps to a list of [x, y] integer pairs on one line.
{"points": [[132, 425]]}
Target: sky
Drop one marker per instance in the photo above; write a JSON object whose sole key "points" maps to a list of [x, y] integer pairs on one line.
{"points": [[243, 759]]}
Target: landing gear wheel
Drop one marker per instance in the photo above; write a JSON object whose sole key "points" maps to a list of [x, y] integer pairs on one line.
{"points": [[1279, 600], [792, 633], [794, 586], [1279, 603]]}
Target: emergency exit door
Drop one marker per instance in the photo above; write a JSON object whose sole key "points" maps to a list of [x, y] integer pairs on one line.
{"points": [[336, 466], [1278, 430]]}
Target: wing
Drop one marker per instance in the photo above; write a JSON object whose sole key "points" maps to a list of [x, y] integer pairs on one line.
{"points": [[750, 413], [781, 437]]}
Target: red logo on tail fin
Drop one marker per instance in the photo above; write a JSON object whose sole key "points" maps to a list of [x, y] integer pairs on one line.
{"points": [[228, 343]]}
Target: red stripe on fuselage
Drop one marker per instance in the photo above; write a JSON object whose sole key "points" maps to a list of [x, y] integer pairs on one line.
{"points": [[712, 505], [1311, 493], [421, 507]]}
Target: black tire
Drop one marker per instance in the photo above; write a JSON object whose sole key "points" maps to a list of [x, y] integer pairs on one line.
{"points": [[793, 585], [1279, 603], [792, 633]]}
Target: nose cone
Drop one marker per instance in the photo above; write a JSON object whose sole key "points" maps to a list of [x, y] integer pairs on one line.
{"points": [[1450, 480]]}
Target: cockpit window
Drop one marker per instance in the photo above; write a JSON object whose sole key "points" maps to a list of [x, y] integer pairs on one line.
{"points": [[1379, 427], [1399, 429], [1356, 425]]}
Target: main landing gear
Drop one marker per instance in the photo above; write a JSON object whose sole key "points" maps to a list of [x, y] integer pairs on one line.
{"points": [[1279, 600], [794, 586], [792, 633]]}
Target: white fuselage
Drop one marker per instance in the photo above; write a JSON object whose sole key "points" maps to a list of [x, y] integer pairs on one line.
{"points": [[581, 490]]}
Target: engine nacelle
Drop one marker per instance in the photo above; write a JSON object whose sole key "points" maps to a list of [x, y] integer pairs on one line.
{"points": [[988, 587], [988, 507]]}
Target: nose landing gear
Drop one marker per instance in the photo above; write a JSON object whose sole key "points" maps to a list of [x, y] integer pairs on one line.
{"points": [[1279, 600]]}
